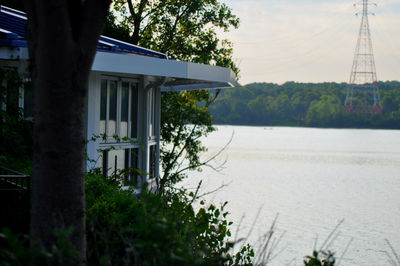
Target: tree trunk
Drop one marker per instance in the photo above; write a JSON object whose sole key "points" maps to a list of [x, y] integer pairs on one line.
{"points": [[62, 39]]}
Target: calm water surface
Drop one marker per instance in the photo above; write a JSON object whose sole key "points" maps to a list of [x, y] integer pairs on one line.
{"points": [[313, 178]]}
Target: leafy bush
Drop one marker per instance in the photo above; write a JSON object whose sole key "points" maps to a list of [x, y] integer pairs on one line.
{"points": [[16, 133], [320, 258], [154, 229], [16, 250]]}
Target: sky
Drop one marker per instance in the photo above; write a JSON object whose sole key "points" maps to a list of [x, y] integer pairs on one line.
{"points": [[310, 40]]}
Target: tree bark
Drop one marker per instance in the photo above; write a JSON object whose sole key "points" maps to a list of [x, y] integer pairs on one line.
{"points": [[62, 40]]}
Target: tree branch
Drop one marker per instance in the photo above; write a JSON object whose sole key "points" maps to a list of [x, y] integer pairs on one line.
{"points": [[206, 163], [170, 164], [173, 30], [131, 9]]}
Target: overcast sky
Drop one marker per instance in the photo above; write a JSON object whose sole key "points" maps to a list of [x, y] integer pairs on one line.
{"points": [[311, 40]]}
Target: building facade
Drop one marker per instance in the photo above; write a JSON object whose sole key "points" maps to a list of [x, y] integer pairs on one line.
{"points": [[124, 95]]}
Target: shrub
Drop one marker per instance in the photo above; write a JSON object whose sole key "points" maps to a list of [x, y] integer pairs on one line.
{"points": [[320, 258], [18, 250], [16, 133], [126, 229], [155, 229]]}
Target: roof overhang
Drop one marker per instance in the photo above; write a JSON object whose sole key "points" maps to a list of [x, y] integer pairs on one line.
{"points": [[118, 57], [180, 75]]}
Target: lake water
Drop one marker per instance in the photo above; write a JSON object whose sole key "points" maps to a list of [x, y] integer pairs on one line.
{"points": [[313, 178]]}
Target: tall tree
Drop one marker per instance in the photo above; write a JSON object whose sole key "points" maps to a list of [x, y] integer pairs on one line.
{"points": [[62, 40], [184, 30]]}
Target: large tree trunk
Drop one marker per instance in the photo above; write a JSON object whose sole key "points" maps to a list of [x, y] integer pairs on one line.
{"points": [[62, 39]]}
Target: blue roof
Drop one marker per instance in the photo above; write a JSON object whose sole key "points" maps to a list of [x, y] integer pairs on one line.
{"points": [[12, 34]]}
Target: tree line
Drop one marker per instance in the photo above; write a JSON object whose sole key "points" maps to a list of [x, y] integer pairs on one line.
{"points": [[303, 104]]}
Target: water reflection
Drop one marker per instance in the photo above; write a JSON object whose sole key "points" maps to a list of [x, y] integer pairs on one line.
{"points": [[313, 178]]}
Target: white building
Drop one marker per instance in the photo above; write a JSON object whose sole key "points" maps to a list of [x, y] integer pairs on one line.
{"points": [[123, 107]]}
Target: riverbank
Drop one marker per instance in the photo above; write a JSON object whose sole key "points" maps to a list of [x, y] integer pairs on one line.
{"points": [[306, 105]]}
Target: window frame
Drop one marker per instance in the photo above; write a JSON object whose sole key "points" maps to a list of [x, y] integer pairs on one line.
{"points": [[133, 85], [146, 97], [108, 143]]}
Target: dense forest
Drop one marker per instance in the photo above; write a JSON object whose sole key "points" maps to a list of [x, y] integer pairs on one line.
{"points": [[303, 104]]}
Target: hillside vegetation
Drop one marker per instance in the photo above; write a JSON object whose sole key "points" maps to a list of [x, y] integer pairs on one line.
{"points": [[302, 104]]}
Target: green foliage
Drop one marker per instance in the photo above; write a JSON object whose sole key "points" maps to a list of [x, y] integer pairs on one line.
{"points": [[127, 229], [320, 258], [117, 31], [302, 104], [16, 133], [154, 229], [18, 250], [183, 122], [325, 112], [184, 30]]}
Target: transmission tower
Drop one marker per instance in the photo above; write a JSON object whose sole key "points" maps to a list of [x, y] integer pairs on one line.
{"points": [[362, 91]]}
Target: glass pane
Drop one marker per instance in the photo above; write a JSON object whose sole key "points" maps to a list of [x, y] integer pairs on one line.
{"points": [[134, 164], [104, 162], [116, 161], [152, 166], [12, 96], [28, 103], [131, 164], [152, 112], [103, 106], [126, 166], [124, 109], [112, 116], [134, 110]]}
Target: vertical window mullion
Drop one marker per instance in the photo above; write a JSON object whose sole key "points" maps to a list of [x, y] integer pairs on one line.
{"points": [[149, 109], [153, 99], [107, 108]]}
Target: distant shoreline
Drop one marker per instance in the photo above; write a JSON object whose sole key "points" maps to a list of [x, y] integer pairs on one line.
{"points": [[320, 105], [293, 126]]}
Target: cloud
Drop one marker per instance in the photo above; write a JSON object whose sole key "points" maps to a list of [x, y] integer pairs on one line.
{"points": [[310, 41]]}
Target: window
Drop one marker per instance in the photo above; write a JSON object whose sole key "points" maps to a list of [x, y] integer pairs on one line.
{"points": [[113, 160], [119, 120], [152, 113], [118, 109], [153, 161], [119, 125], [28, 103], [134, 109], [124, 109]]}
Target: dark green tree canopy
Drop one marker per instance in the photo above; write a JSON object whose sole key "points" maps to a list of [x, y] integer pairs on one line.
{"points": [[183, 29], [302, 104]]}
